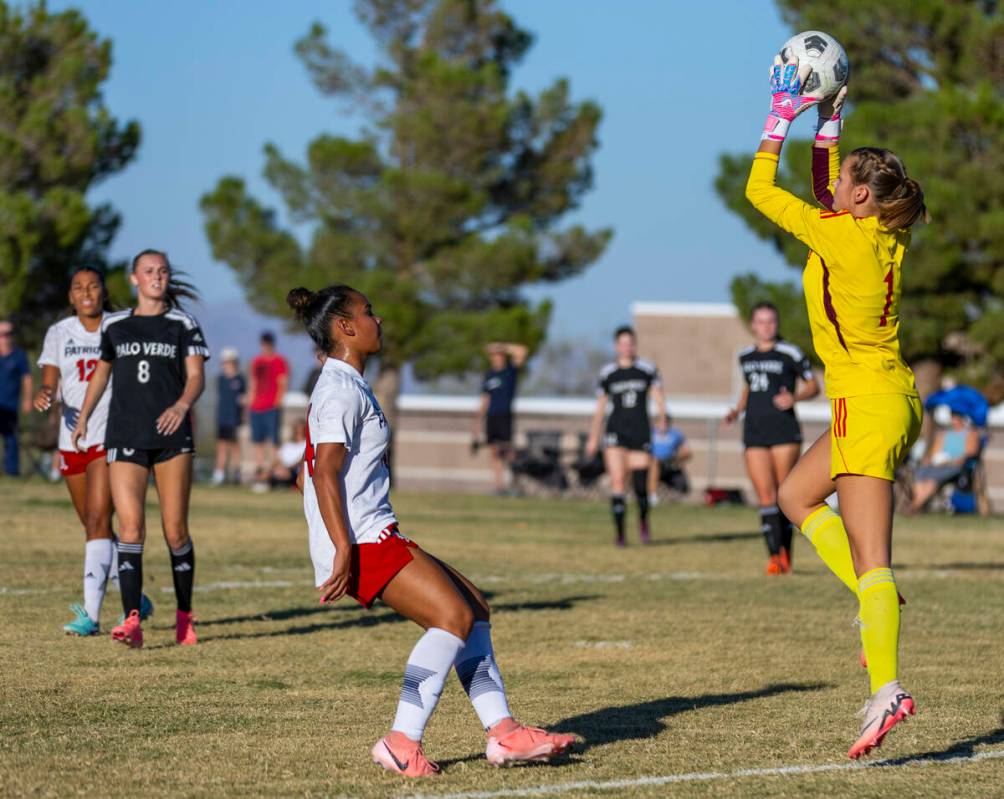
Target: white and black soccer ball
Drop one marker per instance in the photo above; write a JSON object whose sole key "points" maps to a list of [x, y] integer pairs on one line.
{"points": [[830, 67]]}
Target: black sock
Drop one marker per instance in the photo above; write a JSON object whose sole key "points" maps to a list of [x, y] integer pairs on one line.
{"points": [[130, 576], [639, 479], [183, 572], [770, 524], [618, 508], [787, 533]]}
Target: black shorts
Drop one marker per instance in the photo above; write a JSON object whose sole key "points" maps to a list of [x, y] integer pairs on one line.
{"points": [[147, 458], [226, 432], [498, 428], [629, 438], [773, 430]]}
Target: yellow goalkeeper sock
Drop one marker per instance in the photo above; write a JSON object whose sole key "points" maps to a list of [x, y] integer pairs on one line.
{"points": [[879, 625], [825, 530]]}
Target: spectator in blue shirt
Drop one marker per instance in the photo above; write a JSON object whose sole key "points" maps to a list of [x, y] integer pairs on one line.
{"points": [[15, 394], [231, 390], [670, 451], [495, 416]]}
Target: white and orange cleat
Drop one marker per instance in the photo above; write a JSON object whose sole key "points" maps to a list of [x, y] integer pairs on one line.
{"points": [[398, 753], [184, 632], [129, 631], [887, 707], [510, 742]]}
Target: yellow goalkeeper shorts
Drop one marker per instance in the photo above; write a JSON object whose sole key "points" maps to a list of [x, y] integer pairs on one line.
{"points": [[872, 434]]}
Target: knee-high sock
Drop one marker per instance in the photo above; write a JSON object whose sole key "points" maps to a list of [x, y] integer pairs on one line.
{"points": [[787, 533], [639, 479], [479, 674], [770, 525], [618, 509], [97, 566], [130, 575], [825, 530], [879, 615], [424, 676], [183, 572]]}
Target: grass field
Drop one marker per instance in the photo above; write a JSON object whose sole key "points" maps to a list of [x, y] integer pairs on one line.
{"points": [[679, 662]]}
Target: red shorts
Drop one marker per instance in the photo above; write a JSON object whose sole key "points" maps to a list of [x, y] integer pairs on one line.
{"points": [[72, 462], [375, 565]]}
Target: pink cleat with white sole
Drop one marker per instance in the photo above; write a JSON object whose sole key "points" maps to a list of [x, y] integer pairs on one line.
{"points": [[509, 743], [129, 631], [398, 753], [184, 632]]}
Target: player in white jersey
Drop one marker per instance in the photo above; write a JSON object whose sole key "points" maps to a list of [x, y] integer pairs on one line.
{"points": [[357, 548], [69, 356]]}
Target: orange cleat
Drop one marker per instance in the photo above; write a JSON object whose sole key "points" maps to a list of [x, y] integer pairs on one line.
{"points": [[129, 632], [888, 707], [184, 632], [398, 753], [785, 560], [510, 742], [774, 565]]}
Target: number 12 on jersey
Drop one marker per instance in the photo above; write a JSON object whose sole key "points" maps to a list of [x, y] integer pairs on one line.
{"points": [[85, 369]]}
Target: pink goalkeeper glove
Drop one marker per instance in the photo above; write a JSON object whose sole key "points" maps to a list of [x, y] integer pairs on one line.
{"points": [[786, 102]]}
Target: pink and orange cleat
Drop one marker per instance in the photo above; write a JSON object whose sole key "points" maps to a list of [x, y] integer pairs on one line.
{"points": [[129, 631], [398, 753], [510, 742], [184, 632], [888, 707]]}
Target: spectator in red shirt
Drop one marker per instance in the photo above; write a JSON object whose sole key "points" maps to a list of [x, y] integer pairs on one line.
{"points": [[268, 380]]}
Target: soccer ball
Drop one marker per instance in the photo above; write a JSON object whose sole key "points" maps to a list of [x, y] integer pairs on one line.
{"points": [[830, 67]]}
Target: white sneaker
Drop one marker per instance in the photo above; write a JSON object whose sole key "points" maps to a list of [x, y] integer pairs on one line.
{"points": [[218, 477], [259, 488]]}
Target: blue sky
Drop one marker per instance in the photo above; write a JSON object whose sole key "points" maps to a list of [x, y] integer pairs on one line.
{"points": [[679, 83]]}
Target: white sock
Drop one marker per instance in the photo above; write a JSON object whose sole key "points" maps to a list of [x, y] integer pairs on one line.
{"points": [[97, 564], [425, 674], [479, 674], [113, 575]]}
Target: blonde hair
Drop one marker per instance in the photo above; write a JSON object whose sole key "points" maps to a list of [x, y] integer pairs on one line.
{"points": [[899, 198]]}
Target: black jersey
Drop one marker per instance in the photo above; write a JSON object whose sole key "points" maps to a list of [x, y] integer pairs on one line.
{"points": [[766, 373], [147, 354], [627, 387]]}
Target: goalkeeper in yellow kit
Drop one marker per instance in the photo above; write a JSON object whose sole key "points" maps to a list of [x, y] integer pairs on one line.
{"points": [[852, 283]]}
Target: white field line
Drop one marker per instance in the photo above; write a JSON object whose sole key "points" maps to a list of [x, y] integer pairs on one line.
{"points": [[707, 776], [238, 585]]}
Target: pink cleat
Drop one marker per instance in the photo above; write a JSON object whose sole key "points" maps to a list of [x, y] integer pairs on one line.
{"points": [[398, 753], [509, 742], [184, 632], [129, 631], [888, 707]]}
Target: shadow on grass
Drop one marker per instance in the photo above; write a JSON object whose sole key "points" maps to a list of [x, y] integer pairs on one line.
{"points": [[706, 538], [358, 619], [646, 719], [963, 748]]}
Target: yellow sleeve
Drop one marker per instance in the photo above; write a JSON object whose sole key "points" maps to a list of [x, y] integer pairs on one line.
{"points": [[783, 208]]}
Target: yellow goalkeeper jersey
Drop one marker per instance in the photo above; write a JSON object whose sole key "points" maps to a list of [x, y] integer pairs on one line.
{"points": [[852, 283]]}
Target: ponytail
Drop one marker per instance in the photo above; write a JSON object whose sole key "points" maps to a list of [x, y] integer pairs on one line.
{"points": [[899, 198], [177, 289], [318, 309]]}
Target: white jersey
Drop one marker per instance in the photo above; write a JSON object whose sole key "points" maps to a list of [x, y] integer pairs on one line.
{"points": [[343, 410], [75, 352]]}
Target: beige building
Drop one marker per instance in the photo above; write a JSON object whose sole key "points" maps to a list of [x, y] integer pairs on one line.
{"points": [[694, 345]]}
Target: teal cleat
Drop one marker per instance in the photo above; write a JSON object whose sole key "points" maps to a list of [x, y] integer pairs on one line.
{"points": [[145, 609], [82, 624]]}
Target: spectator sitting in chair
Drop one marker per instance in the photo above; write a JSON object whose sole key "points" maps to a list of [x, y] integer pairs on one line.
{"points": [[946, 458], [289, 458], [669, 452]]}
